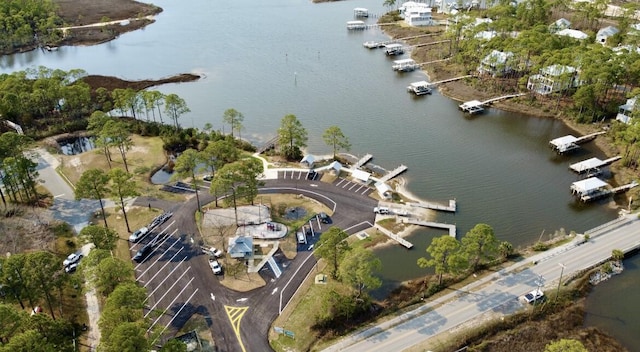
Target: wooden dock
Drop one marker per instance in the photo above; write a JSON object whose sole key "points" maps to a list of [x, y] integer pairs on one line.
{"points": [[593, 164], [451, 228], [450, 80], [588, 137], [434, 61], [431, 43], [504, 97], [365, 159], [435, 206], [395, 237], [397, 171], [607, 192], [270, 144]]}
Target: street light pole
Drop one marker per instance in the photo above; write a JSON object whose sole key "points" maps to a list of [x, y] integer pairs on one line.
{"points": [[562, 266]]}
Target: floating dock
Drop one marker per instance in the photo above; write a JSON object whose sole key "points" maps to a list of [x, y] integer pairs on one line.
{"points": [[405, 65], [594, 188], [568, 143], [472, 107], [397, 171], [435, 206], [395, 237], [451, 228], [592, 165], [419, 88]]}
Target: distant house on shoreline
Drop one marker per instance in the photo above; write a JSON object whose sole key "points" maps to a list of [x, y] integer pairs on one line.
{"points": [[626, 110], [553, 78], [497, 63], [605, 33]]}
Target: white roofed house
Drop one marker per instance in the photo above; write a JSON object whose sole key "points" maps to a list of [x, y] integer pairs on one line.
{"points": [[573, 33], [308, 160], [627, 111], [497, 63], [554, 78], [605, 33], [416, 16]]}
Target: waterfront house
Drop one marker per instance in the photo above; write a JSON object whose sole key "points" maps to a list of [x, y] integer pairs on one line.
{"points": [[417, 15], [627, 110], [559, 25], [553, 78], [573, 33], [497, 63], [605, 33]]}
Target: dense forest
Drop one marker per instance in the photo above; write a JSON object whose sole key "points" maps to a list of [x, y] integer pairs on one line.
{"points": [[28, 24]]}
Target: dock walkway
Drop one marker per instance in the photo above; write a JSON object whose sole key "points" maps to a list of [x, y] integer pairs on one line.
{"points": [[450, 79], [397, 171], [504, 97], [395, 237], [607, 192], [588, 137], [435, 206], [365, 159], [270, 144], [592, 164], [450, 227]]}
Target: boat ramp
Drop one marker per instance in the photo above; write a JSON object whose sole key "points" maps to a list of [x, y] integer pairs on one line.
{"points": [[593, 165], [594, 188], [435, 206], [568, 143], [449, 227], [419, 88]]}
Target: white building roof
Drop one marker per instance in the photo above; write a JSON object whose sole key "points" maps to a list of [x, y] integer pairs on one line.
{"points": [[586, 165], [419, 84], [382, 189], [471, 103], [308, 159], [393, 46], [562, 23], [497, 57], [557, 70], [588, 185], [404, 61], [560, 141], [486, 35], [576, 34], [335, 165], [361, 175], [607, 31]]}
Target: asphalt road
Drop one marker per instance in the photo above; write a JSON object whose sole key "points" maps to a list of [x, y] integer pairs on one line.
{"points": [[180, 282], [498, 293]]}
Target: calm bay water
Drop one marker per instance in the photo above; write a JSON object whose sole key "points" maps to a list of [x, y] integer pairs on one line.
{"points": [[269, 59]]}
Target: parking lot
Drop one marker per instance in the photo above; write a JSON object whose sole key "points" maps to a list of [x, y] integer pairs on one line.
{"points": [[167, 274], [351, 186]]}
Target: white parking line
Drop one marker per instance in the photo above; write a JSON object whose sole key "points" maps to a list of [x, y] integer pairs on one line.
{"points": [[346, 184], [359, 188], [164, 266], [299, 175], [339, 182], [174, 316], [355, 184], [166, 293], [166, 278], [153, 251], [366, 189]]}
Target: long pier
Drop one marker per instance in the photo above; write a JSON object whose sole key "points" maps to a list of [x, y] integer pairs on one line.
{"points": [[450, 79], [431, 43], [397, 171], [435, 206], [588, 137], [504, 97], [434, 61], [592, 164], [451, 228], [365, 159], [270, 144], [607, 192], [395, 237]]}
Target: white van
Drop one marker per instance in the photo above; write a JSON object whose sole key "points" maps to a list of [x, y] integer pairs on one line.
{"points": [[381, 210], [301, 237]]}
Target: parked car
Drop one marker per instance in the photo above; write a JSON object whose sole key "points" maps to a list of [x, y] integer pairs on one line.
{"points": [[160, 219], [381, 210], [71, 268], [142, 253], [72, 259], [138, 234], [324, 218], [215, 252], [533, 296], [207, 178], [215, 267]]}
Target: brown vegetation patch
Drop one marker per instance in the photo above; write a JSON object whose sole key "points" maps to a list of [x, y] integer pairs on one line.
{"points": [[26, 229], [111, 83], [83, 12]]}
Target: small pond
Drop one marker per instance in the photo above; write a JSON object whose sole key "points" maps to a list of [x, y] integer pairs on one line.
{"points": [[161, 176], [76, 145]]}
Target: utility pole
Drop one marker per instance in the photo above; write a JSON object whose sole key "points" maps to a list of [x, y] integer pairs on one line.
{"points": [[562, 266]]}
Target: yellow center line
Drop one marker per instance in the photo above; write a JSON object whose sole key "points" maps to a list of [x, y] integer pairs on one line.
{"points": [[235, 314]]}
